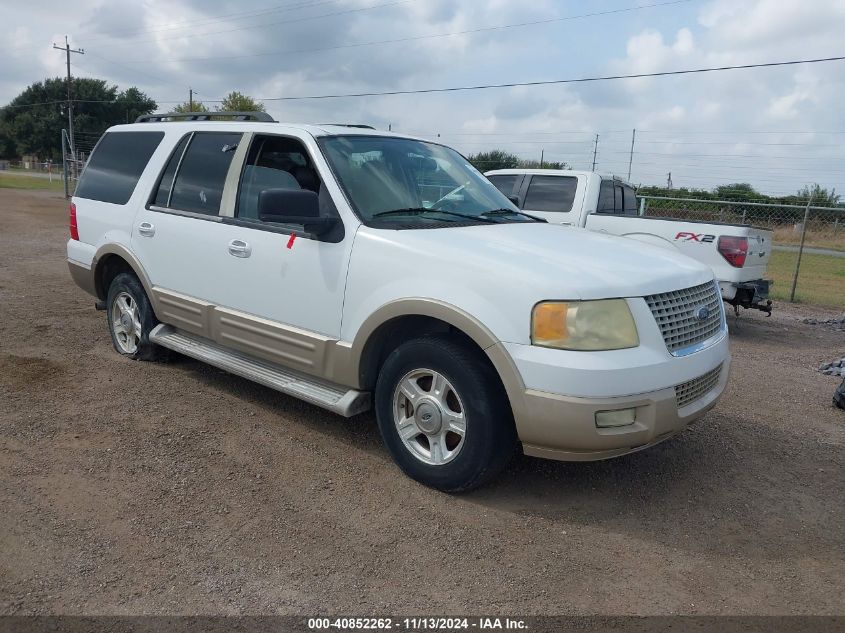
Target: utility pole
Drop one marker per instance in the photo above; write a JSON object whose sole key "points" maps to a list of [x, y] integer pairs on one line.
{"points": [[68, 50], [669, 181], [595, 151], [542, 154], [631, 158], [190, 99]]}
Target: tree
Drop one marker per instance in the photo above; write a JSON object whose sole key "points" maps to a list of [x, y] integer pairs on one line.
{"points": [[820, 195], [196, 106], [547, 164], [237, 102], [495, 159], [737, 191], [33, 121], [500, 159], [134, 103]]}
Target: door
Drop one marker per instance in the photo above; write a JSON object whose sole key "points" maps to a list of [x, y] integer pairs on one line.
{"points": [[283, 288], [176, 234]]}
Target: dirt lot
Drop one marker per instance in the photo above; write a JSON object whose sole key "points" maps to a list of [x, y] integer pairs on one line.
{"points": [[132, 488]]}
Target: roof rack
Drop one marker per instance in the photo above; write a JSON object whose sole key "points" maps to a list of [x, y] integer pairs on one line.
{"points": [[205, 116], [360, 125]]}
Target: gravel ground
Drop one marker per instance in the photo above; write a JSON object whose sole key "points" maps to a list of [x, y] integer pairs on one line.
{"points": [[132, 488]]}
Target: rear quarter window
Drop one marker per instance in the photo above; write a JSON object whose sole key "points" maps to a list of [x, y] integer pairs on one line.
{"points": [[116, 165]]}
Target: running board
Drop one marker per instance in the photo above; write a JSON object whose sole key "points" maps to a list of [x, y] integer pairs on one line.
{"points": [[336, 398]]}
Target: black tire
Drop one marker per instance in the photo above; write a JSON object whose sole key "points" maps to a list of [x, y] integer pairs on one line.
{"points": [[128, 284], [490, 436]]}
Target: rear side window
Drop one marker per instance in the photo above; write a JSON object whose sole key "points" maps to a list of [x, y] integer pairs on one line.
{"points": [[116, 166], [607, 203], [202, 173], [630, 201], [551, 193], [504, 183]]}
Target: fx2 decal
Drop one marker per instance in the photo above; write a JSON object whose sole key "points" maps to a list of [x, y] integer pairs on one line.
{"points": [[685, 236]]}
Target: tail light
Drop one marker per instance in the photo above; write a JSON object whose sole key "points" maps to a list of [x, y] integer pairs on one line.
{"points": [[74, 231], [734, 250]]}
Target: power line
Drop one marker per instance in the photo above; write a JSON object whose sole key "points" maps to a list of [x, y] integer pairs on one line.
{"points": [[133, 70], [429, 36], [237, 15], [267, 24], [560, 81], [720, 156], [604, 132]]}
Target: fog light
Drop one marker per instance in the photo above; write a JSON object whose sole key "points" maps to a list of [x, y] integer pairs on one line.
{"points": [[621, 417]]}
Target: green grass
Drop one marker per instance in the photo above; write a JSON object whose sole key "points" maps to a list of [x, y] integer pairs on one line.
{"points": [[821, 280], [15, 181]]}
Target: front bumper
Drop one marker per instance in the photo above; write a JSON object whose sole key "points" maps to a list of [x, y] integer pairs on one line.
{"points": [[557, 426]]}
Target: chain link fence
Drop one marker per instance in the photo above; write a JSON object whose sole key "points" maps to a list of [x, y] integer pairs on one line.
{"points": [[808, 241]]}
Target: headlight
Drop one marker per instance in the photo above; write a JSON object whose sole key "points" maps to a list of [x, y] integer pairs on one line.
{"points": [[584, 325]]}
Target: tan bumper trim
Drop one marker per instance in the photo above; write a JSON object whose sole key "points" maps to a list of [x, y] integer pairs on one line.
{"points": [[82, 277]]}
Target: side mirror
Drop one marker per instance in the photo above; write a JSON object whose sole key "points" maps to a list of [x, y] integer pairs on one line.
{"points": [[515, 200], [294, 206]]}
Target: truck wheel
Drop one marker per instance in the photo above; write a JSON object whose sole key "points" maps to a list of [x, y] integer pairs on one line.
{"points": [[443, 414], [131, 318]]}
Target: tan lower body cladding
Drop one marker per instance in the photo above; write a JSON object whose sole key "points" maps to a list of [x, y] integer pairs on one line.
{"points": [[288, 346]]}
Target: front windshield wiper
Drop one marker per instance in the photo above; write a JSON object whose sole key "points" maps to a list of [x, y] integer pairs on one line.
{"points": [[422, 210], [504, 211]]}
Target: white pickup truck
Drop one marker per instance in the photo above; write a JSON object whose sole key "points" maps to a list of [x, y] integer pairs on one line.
{"points": [[737, 253]]}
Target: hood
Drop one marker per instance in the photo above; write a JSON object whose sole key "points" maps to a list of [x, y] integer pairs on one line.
{"points": [[549, 260]]}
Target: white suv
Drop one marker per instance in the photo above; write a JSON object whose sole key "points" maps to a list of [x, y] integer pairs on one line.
{"points": [[355, 268]]}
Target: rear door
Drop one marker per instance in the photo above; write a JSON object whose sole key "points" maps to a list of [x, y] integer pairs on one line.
{"points": [[179, 231]]}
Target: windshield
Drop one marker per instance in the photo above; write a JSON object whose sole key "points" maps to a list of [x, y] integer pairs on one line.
{"points": [[395, 181]]}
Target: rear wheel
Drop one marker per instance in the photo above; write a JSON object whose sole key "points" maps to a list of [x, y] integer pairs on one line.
{"points": [[443, 414], [131, 318]]}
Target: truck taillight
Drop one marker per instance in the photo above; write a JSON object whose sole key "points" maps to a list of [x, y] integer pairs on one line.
{"points": [[74, 231], [734, 250]]}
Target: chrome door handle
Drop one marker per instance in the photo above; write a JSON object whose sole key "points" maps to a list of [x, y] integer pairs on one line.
{"points": [[239, 248], [146, 229]]}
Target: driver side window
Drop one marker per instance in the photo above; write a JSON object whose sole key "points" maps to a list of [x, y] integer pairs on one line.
{"points": [[276, 162]]}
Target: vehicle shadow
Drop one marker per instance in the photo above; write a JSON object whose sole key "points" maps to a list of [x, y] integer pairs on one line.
{"points": [[727, 483]]}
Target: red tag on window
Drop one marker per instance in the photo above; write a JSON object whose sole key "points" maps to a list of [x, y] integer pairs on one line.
{"points": [[290, 241]]}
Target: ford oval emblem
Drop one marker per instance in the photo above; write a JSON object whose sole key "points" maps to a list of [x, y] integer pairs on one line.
{"points": [[702, 313]]}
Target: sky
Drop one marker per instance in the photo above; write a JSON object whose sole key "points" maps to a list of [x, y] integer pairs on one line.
{"points": [[776, 128]]}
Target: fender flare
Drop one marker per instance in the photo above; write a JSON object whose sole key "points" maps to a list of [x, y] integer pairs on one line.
{"points": [[125, 254], [442, 311]]}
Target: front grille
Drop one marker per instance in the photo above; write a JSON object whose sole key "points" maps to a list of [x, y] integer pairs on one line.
{"points": [[690, 391], [676, 315]]}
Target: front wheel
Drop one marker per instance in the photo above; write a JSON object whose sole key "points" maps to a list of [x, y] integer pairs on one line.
{"points": [[131, 318], [443, 414]]}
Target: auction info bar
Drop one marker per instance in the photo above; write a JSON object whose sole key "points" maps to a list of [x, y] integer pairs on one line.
{"points": [[420, 624]]}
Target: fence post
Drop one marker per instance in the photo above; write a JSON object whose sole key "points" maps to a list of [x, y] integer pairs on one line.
{"points": [[800, 249], [64, 161], [643, 205]]}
